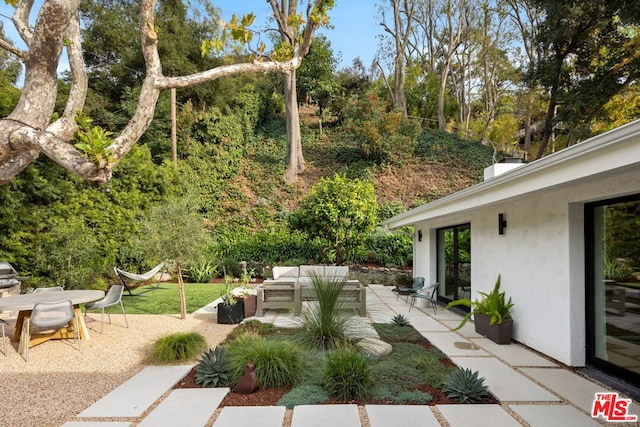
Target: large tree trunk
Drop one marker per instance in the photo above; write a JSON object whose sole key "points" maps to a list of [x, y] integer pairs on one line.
{"points": [[29, 130], [442, 119], [295, 159]]}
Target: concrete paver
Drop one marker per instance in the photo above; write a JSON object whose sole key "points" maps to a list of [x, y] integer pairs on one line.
{"points": [[553, 416], [250, 416], [400, 415], [422, 323], [186, 408], [477, 416], [137, 394], [504, 382], [326, 415], [514, 354], [453, 344], [573, 387]]}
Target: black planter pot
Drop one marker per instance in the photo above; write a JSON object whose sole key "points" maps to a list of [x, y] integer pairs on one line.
{"points": [[498, 333], [230, 314]]}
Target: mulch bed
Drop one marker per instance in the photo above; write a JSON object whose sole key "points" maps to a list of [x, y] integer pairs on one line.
{"points": [[271, 397]]}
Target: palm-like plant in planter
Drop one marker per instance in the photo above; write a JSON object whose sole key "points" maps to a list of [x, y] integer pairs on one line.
{"points": [[229, 310], [491, 314]]}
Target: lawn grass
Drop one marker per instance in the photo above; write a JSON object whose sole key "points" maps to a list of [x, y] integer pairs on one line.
{"points": [[166, 300]]}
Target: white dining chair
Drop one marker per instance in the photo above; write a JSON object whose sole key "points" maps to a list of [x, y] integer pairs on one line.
{"points": [[50, 316]]}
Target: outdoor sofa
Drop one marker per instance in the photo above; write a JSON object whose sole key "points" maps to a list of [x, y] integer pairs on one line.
{"points": [[291, 286]]}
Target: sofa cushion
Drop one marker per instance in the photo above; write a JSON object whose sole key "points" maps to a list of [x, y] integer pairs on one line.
{"points": [[282, 272], [336, 271], [311, 270]]}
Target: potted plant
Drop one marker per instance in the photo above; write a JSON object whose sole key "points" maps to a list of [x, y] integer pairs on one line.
{"points": [[229, 310], [491, 314]]}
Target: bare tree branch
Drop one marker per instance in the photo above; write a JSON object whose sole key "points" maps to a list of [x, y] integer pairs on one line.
{"points": [[21, 20]]}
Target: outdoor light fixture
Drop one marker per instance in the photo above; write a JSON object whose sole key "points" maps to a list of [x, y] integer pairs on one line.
{"points": [[502, 224], [419, 235]]}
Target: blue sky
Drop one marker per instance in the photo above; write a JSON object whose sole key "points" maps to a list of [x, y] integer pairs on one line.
{"points": [[353, 35], [354, 22]]}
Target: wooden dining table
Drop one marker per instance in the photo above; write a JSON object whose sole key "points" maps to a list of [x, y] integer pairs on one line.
{"points": [[24, 304]]}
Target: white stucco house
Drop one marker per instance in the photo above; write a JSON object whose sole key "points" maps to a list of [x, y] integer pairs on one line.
{"points": [[560, 219]]}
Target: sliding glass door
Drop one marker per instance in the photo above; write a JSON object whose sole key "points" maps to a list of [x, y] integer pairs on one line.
{"points": [[613, 286], [454, 262]]}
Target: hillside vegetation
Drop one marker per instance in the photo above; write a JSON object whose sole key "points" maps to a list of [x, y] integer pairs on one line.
{"points": [[63, 231]]}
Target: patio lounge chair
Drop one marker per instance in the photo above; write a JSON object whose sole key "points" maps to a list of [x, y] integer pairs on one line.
{"points": [[125, 275]]}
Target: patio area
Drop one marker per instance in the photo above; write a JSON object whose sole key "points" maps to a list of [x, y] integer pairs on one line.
{"points": [[532, 390]]}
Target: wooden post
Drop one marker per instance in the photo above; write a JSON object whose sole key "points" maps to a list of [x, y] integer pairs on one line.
{"points": [[183, 300], [174, 139]]}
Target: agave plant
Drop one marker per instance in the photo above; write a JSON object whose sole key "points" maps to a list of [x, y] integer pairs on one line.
{"points": [[464, 386], [213, 368], [400, 320]]}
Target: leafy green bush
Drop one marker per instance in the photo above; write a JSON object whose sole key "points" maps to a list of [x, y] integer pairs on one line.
{"points": [[177, 347], [277, 363], [203, 272], [375, 129], [464, 386], [339, 211], [390, 249], [213, 368], [304, 395], [347, 374], [275, 245]]}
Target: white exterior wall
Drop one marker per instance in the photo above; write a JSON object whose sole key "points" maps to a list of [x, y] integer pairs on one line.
{"points": [[541, 259]]}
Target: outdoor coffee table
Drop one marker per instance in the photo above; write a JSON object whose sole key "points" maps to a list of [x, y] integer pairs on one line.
{"points": [[24, 305]]}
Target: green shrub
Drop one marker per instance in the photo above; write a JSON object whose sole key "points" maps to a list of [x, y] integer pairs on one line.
{"points": [[304, 395], [347, 374], [339, 211], [177, 347], [203, 272], [324, 324], [390, 249], [213, 368], [278, 363], [231, 267], [464, 386]]}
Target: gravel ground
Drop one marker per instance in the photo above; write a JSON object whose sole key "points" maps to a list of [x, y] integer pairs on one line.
{"points": [[59, 381]]}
